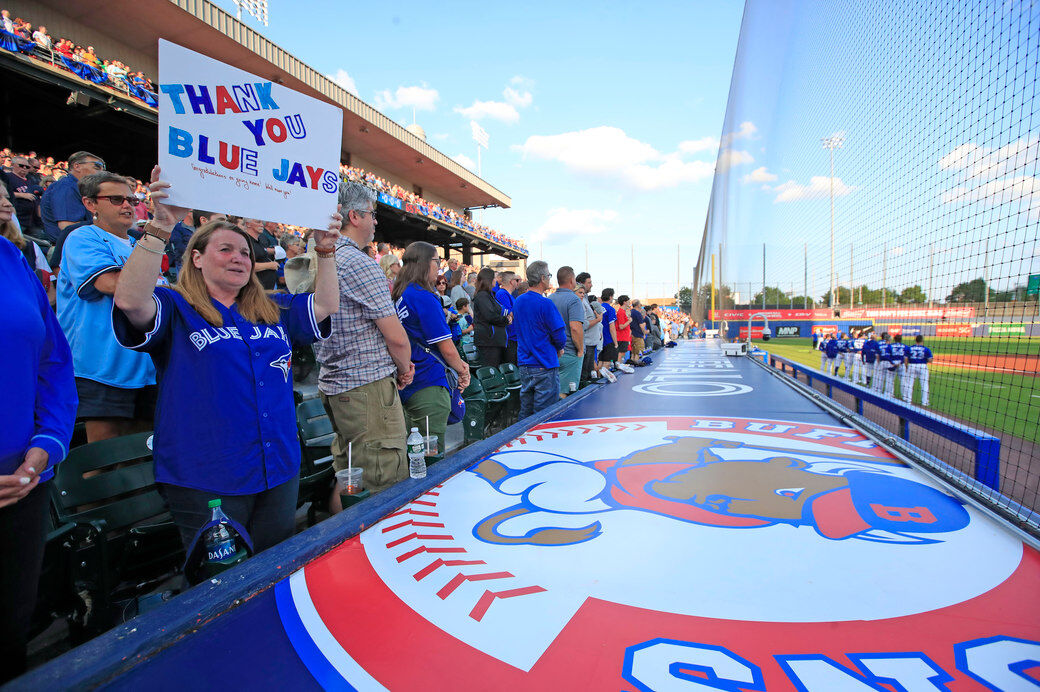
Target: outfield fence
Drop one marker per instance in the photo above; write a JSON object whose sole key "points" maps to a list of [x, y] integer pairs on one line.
{"points": [[879, 171]]}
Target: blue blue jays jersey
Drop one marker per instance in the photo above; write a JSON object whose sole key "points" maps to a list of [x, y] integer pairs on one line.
{"points": [[918, 354], [870, 351], [896, 352], [831, 348], [423, 319], [883, 350], [843, 345], [225, 421], [857, 344]]}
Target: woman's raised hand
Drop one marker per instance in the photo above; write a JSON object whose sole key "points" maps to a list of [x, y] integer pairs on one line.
{"points": [[166, 216]]}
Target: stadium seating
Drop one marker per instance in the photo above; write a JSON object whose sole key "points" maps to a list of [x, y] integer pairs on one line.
{"points": [[497, 395], [475, 422], [511, 374], [316, 472], [125, 541]]}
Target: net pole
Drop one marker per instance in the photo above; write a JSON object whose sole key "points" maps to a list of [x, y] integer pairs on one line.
{"points": [[852, 281], [805, 295], [884, 274], [833, 278], [712, 312], [985, 276], [931, 271], [763, 276]]}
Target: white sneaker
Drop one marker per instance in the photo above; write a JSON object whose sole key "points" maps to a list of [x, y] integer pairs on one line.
{"points": [[611, 377], [625, 367], [593, 375]]}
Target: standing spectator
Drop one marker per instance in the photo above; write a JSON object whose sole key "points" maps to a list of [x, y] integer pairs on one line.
{"points": [[421, 312], [265, 266], [25, 195], [638, 333], [507, 283], [490, 321], [593, 333], [391, 266], [38, 410], [609, 353], [453, 266], [918, 357], [382, 250], [455, 289], [624, 332], [573, 315], [42, 39], [225, 424], [471, 285], [62, 204], [116, 386], [541, 337], [30, 250], [367, 359]]}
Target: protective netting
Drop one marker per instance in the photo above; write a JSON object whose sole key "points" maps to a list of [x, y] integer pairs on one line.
{"points": [[930, 112]]}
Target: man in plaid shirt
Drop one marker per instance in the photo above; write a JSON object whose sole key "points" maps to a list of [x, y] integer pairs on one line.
{"points": [[367, 358]]}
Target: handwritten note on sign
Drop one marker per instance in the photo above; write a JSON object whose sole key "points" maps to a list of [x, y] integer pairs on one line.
{"points": [[232, 142]]}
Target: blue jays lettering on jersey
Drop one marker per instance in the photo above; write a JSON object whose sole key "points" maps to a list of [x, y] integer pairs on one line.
{"points": [[225, 421], [916, 354], [421, 314], [870, 350]]}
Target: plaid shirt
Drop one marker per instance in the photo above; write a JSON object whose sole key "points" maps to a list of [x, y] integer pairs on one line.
{"points": [[356, 353]]}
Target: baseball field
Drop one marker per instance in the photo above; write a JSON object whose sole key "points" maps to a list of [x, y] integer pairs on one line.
{"points": [[990, 382]]}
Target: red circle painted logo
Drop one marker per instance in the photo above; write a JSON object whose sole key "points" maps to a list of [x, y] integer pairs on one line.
{"points": [[670, 552]]}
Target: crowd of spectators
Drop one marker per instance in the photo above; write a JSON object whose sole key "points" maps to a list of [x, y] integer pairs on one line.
{"points": [[18, 35], [430, 209]]}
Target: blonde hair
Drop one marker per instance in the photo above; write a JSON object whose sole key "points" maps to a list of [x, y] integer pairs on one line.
{"points": [[252, 301], [387, 262], [9, 230]]}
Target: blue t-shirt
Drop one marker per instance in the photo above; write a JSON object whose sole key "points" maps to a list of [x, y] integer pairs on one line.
{"points": [[917, 354], [831, 348], [843, 345], [422, 315], [62, 202], [609, 317], [505, 299], [85, 313], [637, 323], [540, 331], [38, 406], [225, 420], [870, 350], [455, 327]]}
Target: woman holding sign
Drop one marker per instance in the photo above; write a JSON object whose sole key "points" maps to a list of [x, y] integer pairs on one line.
{"points": [[225, 425]]}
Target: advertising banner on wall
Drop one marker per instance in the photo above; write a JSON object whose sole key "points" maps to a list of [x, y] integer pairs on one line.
{"points": [[953, 330], [244, 145], [852, 314]]}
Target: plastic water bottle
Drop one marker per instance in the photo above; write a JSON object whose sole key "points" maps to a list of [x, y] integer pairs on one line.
{"points": [[416, 454], [220, 542]]}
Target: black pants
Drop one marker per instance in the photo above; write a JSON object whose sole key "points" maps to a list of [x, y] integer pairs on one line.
{"points": [[23, 530], [269, 516], [491, 356], [587, 363], [511, 352]]}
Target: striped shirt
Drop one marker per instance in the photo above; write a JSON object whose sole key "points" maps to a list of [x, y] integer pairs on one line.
{"points": [[356, 353]]}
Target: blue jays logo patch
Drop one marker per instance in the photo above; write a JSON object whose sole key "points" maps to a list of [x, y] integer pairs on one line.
{"points": [[283, 363]]}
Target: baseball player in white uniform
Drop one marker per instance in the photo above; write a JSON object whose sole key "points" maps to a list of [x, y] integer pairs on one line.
{"points": [[918, 357]]}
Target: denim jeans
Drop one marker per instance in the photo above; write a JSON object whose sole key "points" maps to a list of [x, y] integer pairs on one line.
{"points": [[539, 389]]}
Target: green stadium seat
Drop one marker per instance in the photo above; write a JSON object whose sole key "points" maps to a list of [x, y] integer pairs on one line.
{"points": [[56, 595], [125, 541], [496, 393], [474, 423], [511, 374], [316, 473]]}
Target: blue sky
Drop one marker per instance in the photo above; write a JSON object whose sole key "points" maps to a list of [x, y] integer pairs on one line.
{"points": [[604, 119]]}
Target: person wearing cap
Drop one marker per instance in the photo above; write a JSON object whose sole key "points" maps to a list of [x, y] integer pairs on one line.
{"points": [[541, 337]]}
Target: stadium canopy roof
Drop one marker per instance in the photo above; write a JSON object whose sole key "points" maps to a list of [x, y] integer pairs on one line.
{"points": [[367, 133]]}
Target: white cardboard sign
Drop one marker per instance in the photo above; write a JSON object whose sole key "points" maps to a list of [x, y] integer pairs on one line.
{"points": [[235, 143]]}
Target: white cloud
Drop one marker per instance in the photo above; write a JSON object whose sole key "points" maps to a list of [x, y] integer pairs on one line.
{"points": [[759, 175], [520, 99], [344, 80], [421, 98], [819, 187], [563, 224], [495, 110], [608, 152], [746, 130], [695, 146], [995, 176], [728, 158], [465, 161], [522, 81]]}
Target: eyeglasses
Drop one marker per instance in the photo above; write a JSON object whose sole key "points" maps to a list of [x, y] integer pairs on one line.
{"points": [[21, 165], [117, 200], [367, 211], [99, 165]]}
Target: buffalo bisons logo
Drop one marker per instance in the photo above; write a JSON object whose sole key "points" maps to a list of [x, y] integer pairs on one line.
{"points": [[729, 484]]}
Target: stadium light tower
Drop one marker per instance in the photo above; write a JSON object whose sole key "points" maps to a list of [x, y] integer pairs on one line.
{"points": [[831, 143]]}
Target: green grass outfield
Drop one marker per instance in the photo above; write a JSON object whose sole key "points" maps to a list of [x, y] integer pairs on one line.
{"points": [[998, 401]]}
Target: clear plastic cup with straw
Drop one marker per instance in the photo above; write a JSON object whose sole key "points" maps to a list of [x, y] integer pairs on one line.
{"points": [[430, 440]]}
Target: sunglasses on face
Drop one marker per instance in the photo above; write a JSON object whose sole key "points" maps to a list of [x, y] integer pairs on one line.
{"points": [[118, 200]]}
